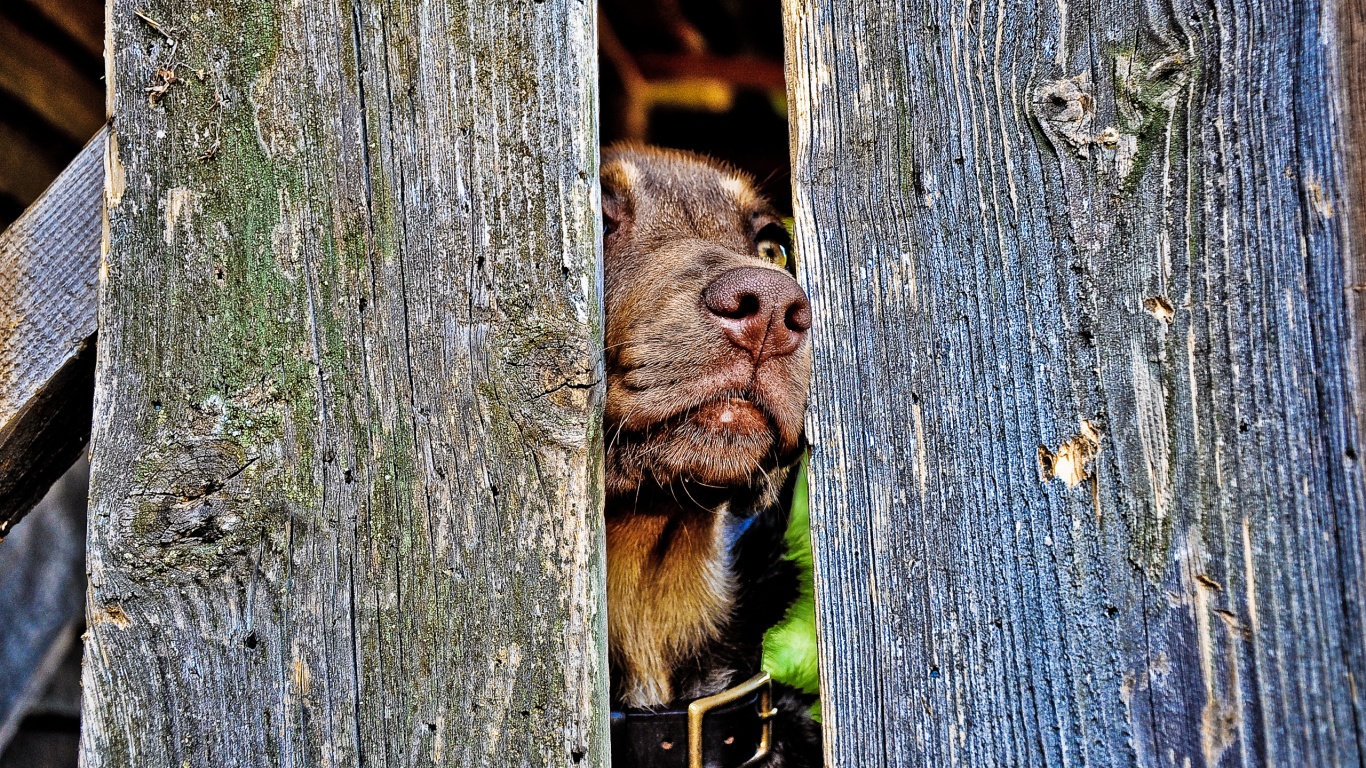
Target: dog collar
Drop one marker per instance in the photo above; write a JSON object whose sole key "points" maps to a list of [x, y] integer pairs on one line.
{"points": [[729, 729]]}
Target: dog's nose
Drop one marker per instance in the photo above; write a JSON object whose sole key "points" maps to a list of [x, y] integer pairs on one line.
{"points": [[763, 311]]}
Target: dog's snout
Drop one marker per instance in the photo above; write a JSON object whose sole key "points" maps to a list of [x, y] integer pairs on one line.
{"points": [[762, 311]]}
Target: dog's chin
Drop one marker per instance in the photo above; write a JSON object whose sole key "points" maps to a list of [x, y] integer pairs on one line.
{"points": [[722, 446]]}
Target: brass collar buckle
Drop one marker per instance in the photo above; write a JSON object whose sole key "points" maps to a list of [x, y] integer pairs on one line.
{"points": [[699, 709]]}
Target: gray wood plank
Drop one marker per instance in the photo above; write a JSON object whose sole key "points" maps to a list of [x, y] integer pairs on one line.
{"points": [[1086, 474], [48, 275], [346, 499], [42, 596]]}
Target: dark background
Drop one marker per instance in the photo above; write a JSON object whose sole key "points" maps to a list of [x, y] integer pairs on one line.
{"points": [[51, 92]]}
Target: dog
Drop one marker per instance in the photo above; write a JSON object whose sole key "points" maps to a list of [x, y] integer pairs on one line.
{"points": [[708, 364]]}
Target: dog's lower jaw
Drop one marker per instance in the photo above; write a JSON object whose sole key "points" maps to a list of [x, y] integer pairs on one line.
{"points": [[670, 592], [689, 460]]}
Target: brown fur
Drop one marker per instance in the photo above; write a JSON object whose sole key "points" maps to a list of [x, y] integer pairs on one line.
{"points": [[693, 422], [668, 594]]}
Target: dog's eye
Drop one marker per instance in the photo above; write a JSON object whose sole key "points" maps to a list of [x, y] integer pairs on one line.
{"points": [[774, 252], [773, 245]]}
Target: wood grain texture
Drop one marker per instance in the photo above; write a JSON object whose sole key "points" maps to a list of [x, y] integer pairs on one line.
{"points": [[1349, 78], [346, 506], [42, 597], [48, 263], [1096, 243]]}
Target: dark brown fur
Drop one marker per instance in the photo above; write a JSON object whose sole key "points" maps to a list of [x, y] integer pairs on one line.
{"points": [[701, 433]]}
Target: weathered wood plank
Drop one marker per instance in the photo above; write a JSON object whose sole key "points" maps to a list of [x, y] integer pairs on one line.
{"points": [[42, 596], [346, 499], [1350, 81], [48, 263], [1099, 243]]}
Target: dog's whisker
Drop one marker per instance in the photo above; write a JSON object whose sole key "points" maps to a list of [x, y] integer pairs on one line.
{"points": [[603, 349], [620, 427], [692, 498]]}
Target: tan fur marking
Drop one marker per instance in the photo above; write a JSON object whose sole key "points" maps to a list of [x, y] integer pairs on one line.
{"points": [[740, 190], [629, 172], [660, 608]]}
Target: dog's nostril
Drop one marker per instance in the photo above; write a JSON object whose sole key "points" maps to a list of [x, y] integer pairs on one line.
{"points": [[798, 318], [735, 305], [749, 305]]}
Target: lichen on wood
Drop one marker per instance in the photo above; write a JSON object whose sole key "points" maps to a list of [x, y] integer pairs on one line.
{"points": [[346, 499]]}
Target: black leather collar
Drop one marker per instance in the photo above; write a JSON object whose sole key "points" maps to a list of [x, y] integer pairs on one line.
{"points": [[731, 736]]}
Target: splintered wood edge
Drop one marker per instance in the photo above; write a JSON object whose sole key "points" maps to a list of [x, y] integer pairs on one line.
{"points": [[49, 264]]}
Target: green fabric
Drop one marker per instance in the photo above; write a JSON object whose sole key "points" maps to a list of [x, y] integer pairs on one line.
{"points": [[790, 654]]}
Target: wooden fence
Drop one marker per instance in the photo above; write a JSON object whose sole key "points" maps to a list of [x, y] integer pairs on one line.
{"points": [[1086, 476], [1086, 485], [345, 496]]}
